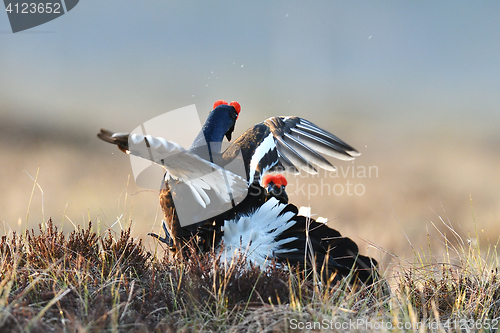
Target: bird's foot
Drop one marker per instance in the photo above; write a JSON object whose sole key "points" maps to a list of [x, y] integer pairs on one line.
{"points": [[167, 239]]}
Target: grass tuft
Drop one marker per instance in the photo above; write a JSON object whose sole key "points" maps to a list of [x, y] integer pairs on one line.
{"points": [[85, 282]]}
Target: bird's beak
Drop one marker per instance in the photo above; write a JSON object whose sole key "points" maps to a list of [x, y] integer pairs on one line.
{"points": [[229, 133], [271, 187]]}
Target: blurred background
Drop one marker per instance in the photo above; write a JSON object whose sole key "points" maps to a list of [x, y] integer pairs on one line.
{"points": [[414, 86]]}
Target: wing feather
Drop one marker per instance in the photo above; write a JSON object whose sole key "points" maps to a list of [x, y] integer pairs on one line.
{"points": [[296, 158], [287, 164], [197, 173], [308, 153], [299, 144], [328, 135], [331, 140]]}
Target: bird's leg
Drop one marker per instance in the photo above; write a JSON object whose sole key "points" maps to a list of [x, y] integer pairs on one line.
{"points": [[167, 239]]}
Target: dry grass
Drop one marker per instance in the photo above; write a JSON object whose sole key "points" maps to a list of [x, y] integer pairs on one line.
{"points": [[90, 282]]}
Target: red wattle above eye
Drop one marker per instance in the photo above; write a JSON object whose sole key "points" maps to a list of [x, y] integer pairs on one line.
{"points": [[236, 106], [219, 102], [277, 179], [280, 179]]}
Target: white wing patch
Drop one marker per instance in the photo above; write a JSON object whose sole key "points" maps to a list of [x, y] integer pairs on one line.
{"points": [[197, 173], [254, 235], [265, 146], [306, 212]]}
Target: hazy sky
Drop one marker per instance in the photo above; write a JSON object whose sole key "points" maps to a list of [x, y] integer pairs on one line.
{"points": [[118, 63]]}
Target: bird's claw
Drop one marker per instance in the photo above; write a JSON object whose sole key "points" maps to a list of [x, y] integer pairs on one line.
{"points": [[167, 239]]}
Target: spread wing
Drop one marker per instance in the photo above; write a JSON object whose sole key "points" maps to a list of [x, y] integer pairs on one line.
{"points": [[290, 143], [200, 175]]}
